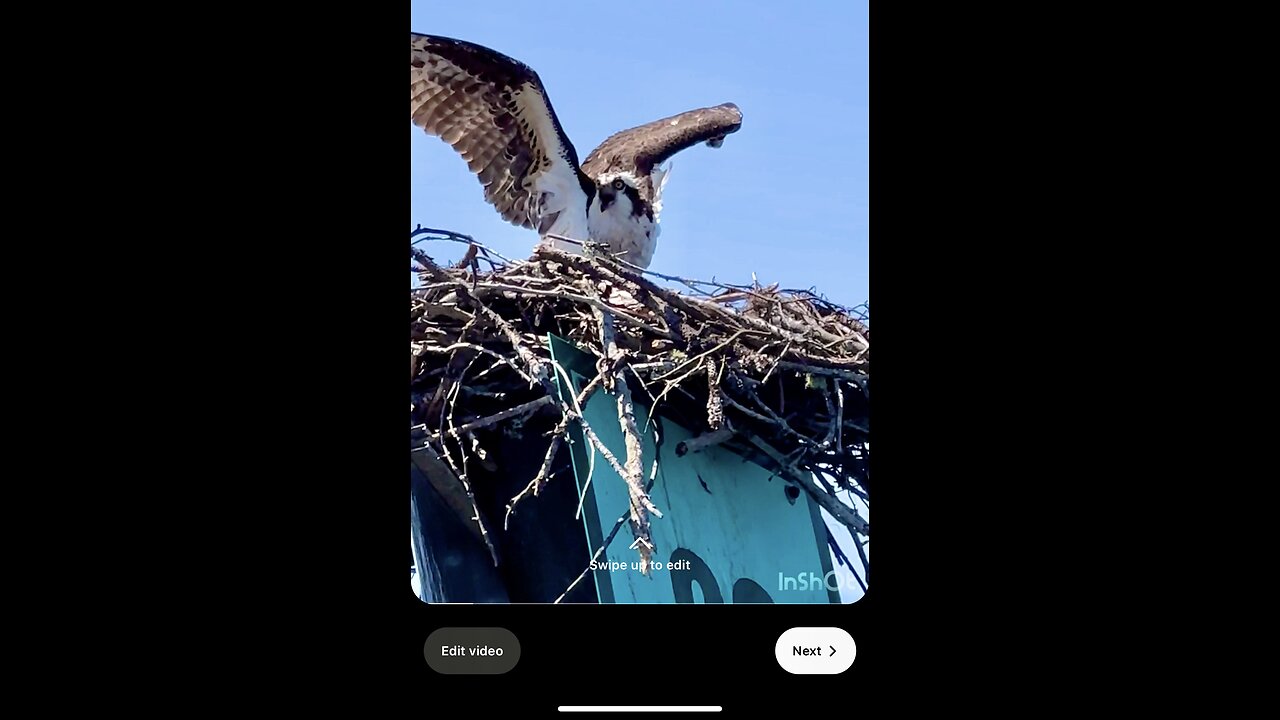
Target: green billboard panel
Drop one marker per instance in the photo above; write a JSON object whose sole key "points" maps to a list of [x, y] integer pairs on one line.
{"points": [[728, 532]]}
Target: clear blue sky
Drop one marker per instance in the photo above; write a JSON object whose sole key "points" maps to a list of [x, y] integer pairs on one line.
{"points": [[785, 197]]}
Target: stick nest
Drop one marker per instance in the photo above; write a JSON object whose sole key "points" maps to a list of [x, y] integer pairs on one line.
{"points": [[780, 376]]}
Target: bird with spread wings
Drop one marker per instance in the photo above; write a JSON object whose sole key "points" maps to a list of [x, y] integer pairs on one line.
{"points": [[495, 112]]}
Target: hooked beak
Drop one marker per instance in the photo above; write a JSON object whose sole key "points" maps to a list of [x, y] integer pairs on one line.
{"points": [[607, 196]]}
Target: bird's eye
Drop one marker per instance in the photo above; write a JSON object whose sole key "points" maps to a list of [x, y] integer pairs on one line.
{"points": [[618, 185]]}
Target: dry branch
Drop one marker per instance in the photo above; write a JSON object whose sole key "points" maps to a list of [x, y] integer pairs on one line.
{"points": [[704, 440], [641, 505], [496, 418]]}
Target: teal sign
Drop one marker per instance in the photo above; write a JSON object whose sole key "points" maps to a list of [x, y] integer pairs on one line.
{"points": [[728, 534]]}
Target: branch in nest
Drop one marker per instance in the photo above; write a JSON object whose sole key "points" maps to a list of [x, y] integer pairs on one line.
{"points": [[533, 362], [429, 266], [485, 422], [540, 479], [599, 267], [825, 336], [598, 304], [866, 566], [449, 487], [547, 387], [694, 360], [663, 365], [704, 440], [715, 407], [451, 236], [840, 414], [595, 557], [852, 376], [834, 426], [841, 512], [746, 411], [468, 259], [485, 350], [772, 417], [461, 477], [671, 385], [641, 504], [773, 367], [433, 231], [432, 310]]}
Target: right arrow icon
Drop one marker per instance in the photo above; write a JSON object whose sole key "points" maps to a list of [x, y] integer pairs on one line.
{"points": [[833, 650]]}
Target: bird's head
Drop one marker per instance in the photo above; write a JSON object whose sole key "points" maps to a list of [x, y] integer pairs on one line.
{"points": [[619, 192]]}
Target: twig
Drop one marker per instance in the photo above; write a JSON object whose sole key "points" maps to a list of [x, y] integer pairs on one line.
{"points": [[622, 519], [460, 238], [641, 504], [662, 365], [593, 302], [840, 411], [669, 386], [541, 478], [852, 376], [846, 515], [866, 566], [447, 233], [773, 367], [478, 517], [535, 364], [429, 266], [451, 311], [594, 557], [485, 422], [693, 445], [715, 405], [702, 355], [747, 411], [834, 426], [849, 486], [485, 350], [775, 418]]}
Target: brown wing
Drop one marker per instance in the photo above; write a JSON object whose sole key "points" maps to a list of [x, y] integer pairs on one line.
{"points": [[641, 149], [494, 112]]}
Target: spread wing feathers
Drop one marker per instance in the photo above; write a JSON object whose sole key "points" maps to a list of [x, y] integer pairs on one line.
{"points": [[494, 111], [641, 149]]}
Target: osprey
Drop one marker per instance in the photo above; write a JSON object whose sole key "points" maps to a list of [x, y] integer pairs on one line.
{"points": [[495, 112]]}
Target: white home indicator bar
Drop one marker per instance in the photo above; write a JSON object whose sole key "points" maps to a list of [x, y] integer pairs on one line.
{"points": [[639, 708]]}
